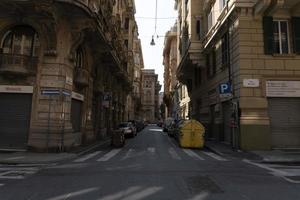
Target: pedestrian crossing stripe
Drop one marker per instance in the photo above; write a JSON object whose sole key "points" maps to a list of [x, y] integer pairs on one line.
{"points": [[192, 154], [151, 150], [88, 156], [109, 155], [215, 156], [174, 154]]}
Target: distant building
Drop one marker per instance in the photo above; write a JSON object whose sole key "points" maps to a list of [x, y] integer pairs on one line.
{"points": [[149, 91], [176, 97]]}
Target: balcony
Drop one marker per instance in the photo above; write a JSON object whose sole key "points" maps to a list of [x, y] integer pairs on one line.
{"points": [[81, 77], [19, 65]]}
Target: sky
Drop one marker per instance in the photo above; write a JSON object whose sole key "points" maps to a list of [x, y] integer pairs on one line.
{"points": [[145, 17]]}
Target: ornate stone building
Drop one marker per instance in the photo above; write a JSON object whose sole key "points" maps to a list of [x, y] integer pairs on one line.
{"points": [[240, 60], [65, 71], [150, 95]]}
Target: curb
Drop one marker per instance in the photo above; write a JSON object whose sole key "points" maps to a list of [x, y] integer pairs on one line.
{"points": [[71, 155]]}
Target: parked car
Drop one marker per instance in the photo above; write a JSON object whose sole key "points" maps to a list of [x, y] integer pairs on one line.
{"points": [[128, 128], [167, 124]]}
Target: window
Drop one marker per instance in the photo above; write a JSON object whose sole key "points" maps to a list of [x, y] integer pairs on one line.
{"points": [[210, 19], [225, 50], [281, 39], [126, 26], [211, 63], [126, 43], [79, 58], [198, 29], [21, 40], [277, 35]]}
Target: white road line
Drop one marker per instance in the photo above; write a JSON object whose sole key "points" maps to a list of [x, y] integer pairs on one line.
{"points": [[15, 158], [174, 154], [144, 193], [88, 156], [129, 154], [1, 184], [109, 155], [19, 168], [192, 154], [275, 172], [121, 194], [215, 156], [151, 149]]}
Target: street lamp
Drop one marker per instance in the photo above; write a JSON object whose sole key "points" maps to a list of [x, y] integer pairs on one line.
{"points": [[152, 43]]}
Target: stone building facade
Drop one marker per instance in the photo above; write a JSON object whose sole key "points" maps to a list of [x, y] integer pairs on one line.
{"points": [[246, 73], [64, 74], [150, 95]]}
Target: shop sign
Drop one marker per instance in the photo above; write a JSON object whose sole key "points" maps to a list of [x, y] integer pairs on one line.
{"points": [[251, 83], [77, 96], [283, 88], [16, 89]]}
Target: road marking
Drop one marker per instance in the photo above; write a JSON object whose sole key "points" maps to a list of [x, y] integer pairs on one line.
{"points": [[121, 194], [144, 193], [19, 168], [275, 172], [88, 156], [6, 175], [129, 154], [109, 155], [192, 154], [15, 158], [215, 156], [174, 154], [74, 194], [1, 184], [151, 149]]}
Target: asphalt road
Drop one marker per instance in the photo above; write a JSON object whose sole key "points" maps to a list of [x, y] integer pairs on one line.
{"points": [[151, 166]]}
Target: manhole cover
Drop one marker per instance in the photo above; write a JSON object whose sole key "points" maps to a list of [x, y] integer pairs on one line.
{"points": [[200, 184]]}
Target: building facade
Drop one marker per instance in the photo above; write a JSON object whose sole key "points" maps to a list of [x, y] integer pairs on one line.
{"points": [[176, 97], [247, 71], [150, 95], [64, 75]]}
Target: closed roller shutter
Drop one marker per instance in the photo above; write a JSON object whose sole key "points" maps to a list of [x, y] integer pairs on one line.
{"points": [[76, 115], [226, 120], [284, 115], [15, 112]]}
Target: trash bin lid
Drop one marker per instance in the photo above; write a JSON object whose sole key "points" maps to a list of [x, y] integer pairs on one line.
{"points": [[192, 125]]}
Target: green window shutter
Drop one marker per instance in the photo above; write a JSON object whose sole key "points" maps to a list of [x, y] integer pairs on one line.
{"points": [[268, 35], [296, 34]]}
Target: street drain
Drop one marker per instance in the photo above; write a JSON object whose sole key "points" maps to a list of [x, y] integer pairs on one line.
{"points": [[201, 184]]}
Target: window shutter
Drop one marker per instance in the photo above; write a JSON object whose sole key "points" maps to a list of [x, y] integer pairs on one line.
{"points": [[268, 35], [296, 34]]}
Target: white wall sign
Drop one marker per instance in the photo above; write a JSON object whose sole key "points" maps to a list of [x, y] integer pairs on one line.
{"points": [[16, 89], [69, 80], [77, 96], [283, 88], [251, 83]]}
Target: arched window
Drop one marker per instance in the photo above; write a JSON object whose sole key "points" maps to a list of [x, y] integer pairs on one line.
{"points": [[79, 58], [21, 40]]}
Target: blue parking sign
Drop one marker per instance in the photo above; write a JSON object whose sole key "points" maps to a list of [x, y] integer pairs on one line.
{"points": [[225, 88]]}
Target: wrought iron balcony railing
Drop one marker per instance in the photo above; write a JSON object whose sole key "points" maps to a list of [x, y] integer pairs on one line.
{"points": [[15, 64]]}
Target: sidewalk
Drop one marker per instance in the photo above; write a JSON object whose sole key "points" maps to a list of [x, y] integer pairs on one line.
{"points": [[272, 156], [280, 156], [15, 158]]}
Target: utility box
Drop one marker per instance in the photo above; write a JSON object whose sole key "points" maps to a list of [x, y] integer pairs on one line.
{"points": [[191, 134]]}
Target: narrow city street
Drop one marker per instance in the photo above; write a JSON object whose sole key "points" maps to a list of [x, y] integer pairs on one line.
{"points": [[150, 166]]}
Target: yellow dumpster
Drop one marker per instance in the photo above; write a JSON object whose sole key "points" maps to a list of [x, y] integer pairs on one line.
{"points": [[191, 134]]}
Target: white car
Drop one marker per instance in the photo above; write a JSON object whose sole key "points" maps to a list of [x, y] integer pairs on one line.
{"points": [[128, 128]]}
